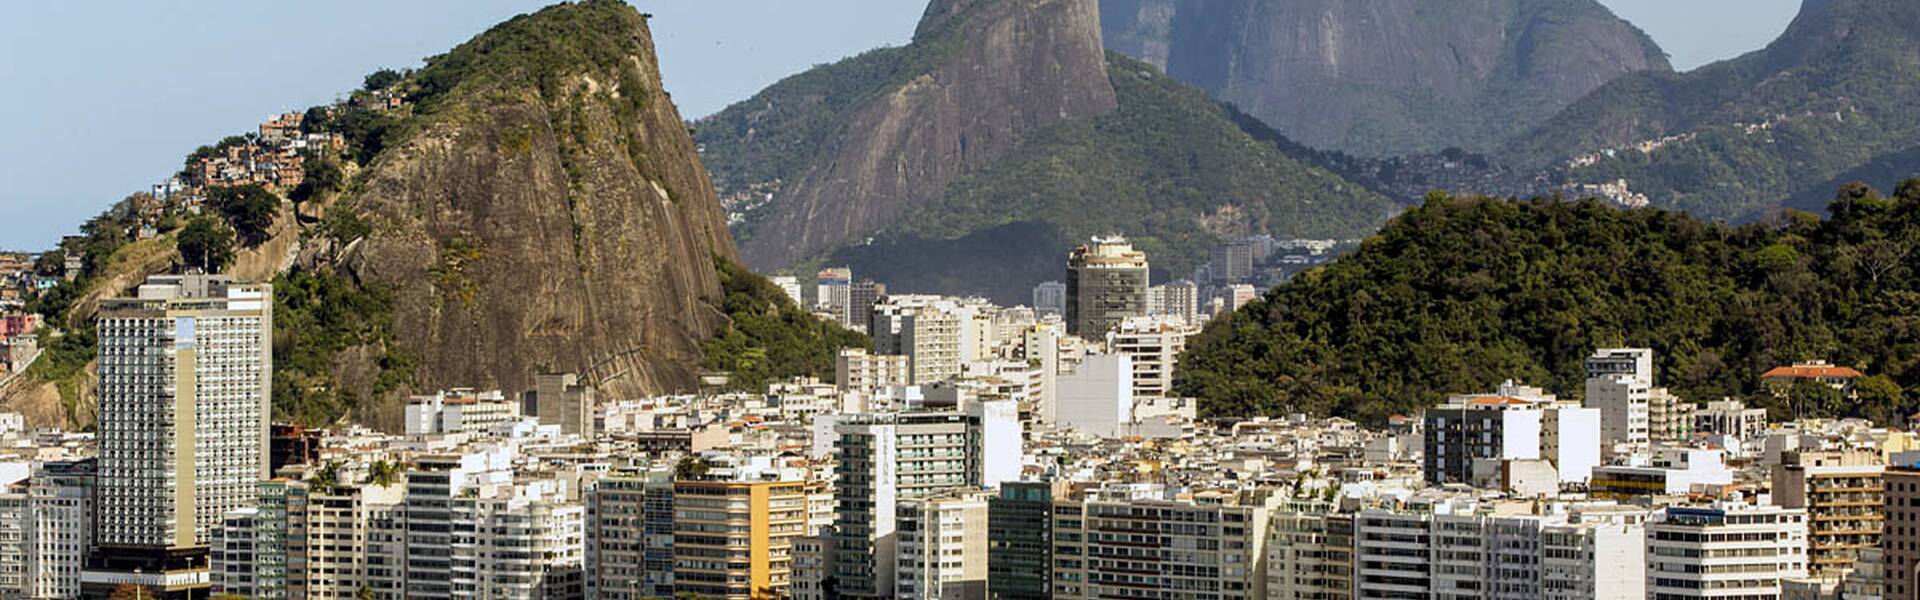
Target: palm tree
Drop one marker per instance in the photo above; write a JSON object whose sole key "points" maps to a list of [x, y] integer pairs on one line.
{"points": [[383, 473]]}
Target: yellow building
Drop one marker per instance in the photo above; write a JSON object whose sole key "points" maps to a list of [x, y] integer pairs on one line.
{"points": [[733, 540]]}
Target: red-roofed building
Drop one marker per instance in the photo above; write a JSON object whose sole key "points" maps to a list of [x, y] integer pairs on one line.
{"points": [[1780, 379]]}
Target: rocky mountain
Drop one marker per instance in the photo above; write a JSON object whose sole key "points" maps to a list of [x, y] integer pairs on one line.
{"points": [[546, 212], [531, 201], [1834, 97], [998, 137], [979, 76], [1386, 77], [1462, 293]]}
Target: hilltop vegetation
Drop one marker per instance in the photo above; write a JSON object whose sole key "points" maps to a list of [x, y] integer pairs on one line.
{"points": [[1461, 293]]}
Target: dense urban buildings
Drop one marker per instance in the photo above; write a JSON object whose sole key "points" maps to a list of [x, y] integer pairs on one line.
{"points": [[975, 452]]}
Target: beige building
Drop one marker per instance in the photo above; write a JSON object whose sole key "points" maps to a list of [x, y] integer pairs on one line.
{"points": [[563, 399], [942, 547], [856, 370], [1843, 495], [1154, 344], [1208, 547]]}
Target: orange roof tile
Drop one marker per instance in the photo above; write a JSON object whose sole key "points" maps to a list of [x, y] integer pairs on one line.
{"points": [[1811, 372]]}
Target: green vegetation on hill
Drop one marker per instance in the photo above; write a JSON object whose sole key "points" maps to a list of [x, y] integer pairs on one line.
{"points": [[317, 315], [1462, 293], [769, 339], [1169, 168]]}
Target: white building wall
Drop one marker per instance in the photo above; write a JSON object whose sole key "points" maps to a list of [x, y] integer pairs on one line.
{"points": [[1097, 398]]}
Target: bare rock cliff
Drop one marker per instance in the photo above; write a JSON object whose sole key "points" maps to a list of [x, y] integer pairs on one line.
{"points": [[550, 213], [997, 70], [1386, 76]]}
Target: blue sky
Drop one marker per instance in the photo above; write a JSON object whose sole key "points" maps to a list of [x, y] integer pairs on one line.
{"points": [[103, 98]]}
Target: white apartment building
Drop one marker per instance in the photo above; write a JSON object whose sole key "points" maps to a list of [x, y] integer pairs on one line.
{"points": [[1154, 344], [185, 375], [942, 547], [1457, 550], [886, 459], [460, 411], [1731, 550], [60, 528]]}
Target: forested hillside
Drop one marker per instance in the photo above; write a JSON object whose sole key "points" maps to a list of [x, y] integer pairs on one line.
{"points": [[1461, 293]]}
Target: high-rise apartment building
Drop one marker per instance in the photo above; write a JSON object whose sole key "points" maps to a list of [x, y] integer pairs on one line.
{"points": [[1310, 553], [925, 329], [1233, 261], [1732, 550], [733, 539], [791, 286], [1472, 433], [1461, 551], [1179, 299], [1843, 494], [942, 546], [860, 300], [1020, 541], [884, 459], [630, 536], [1106, 283], [1900, 544], [1619, 384], [856, 370], [185, 377], [61, 527]]}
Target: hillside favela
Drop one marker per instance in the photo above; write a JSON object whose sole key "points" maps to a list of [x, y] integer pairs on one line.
{"points": [[961, 300]]}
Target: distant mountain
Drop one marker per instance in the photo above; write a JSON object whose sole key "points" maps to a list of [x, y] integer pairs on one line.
{"points": [[1461, 293], [981, 151], [1837, 95], [1386, 77]]}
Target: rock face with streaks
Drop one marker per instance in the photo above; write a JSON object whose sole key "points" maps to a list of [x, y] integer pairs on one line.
{"points": [[1386, 76], [979, 76], [549, 213]]}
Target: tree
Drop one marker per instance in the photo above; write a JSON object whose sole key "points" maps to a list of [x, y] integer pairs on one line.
{"points": [[249, 208], [1881, 400], [692, 467], [383, 473], [206, 243], [380, 80], [327, 479], [322, 177]]}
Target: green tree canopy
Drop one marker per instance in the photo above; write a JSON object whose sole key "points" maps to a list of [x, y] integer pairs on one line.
{"points": [[206, 243]]}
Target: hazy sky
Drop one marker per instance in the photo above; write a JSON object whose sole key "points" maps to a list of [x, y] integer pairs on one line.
{"points": [[100, 99]]}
